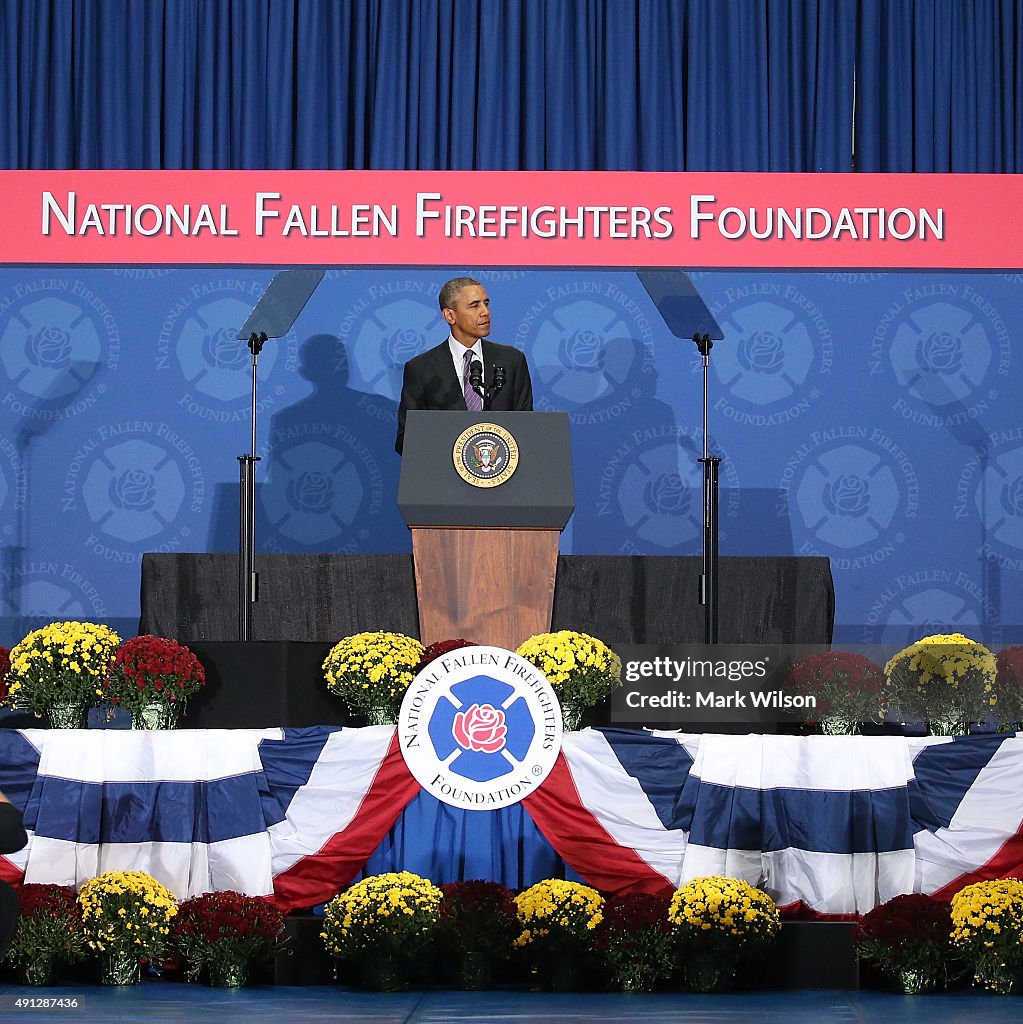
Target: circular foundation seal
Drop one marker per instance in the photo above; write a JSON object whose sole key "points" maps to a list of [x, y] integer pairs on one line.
{"points": [[485, 455], [480, 728]]}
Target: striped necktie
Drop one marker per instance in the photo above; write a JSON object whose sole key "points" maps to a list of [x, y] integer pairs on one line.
{"points": [[473, 402]]}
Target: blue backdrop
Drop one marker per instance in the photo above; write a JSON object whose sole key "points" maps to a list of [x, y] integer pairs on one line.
{"points": [[869, 417]]}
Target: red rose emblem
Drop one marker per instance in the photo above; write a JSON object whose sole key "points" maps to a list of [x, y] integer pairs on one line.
{"points": [[480, 728]]}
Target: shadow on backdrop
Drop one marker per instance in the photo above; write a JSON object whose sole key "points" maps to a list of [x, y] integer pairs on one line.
{"points": [[635, 469], [32, 593], [328, 478]]}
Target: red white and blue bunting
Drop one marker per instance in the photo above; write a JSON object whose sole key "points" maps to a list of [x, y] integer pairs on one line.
{"points": [[835, 825]]}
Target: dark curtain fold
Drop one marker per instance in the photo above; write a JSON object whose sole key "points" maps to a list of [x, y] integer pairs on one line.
{"points": [[513, 84]]}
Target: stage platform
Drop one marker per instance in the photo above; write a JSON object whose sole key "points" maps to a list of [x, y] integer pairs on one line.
{"points": [[157, 1002]]}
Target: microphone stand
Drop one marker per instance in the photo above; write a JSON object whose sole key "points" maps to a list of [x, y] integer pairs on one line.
{"points": [[248, 578], [711, 464], [485, 392]]}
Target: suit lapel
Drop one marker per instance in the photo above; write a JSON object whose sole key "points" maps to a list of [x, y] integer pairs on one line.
{"points": [[448, 386]]}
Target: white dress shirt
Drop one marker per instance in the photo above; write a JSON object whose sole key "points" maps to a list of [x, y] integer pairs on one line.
{"points": [[458, 351]]}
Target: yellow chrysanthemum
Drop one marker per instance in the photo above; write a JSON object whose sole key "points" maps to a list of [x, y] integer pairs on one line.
{"points": [[943, 678], [126, 907], [729, 906], [987, 929], [58, 664], [581, 668], [371, 671], [569, 910], [393, 911]]}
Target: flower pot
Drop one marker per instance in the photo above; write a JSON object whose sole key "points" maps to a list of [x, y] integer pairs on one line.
{"points": [[1000, 979], [474, 971], [40, 972], [572, 714], [947, 727], [914, 982], [708, 974], [384, 974], [636, 978], [157, 714], [560, 973], [380, 716], [68, 715], [834, 725], [228, 974], [117, 967]]}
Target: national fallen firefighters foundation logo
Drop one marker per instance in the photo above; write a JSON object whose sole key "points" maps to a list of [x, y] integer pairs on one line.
{"points": [[485, 455], [480, 728]]}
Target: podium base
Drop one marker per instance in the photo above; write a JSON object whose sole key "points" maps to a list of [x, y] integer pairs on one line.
{"points": [[491, 586]]}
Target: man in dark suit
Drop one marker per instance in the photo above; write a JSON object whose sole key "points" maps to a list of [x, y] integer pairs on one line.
{"points": [[439, 378]]}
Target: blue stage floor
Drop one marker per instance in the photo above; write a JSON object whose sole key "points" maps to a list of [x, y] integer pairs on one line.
{"points": [[179, 1002]]}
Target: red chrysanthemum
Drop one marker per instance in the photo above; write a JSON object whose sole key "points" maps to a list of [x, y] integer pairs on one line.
{"points": [[148, 668], [439, 649]]}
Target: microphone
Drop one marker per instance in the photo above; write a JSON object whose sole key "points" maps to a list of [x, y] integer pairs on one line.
{"points": [[498, 380], [476, 381]]}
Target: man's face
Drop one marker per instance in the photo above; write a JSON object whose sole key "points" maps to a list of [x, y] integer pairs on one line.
{"points": [[470, 316]]}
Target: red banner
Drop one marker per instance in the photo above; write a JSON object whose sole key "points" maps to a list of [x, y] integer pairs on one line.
{"points": [[510, 218]]}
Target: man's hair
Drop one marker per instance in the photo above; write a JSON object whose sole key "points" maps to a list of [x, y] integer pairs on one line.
{"points": [[450, 289]]}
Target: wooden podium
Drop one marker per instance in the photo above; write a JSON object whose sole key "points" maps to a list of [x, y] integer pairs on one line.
{"points": [[485, 556]]}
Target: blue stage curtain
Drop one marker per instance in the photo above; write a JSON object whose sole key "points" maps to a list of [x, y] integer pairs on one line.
{"points": [[939, 86], [769, 86], [513, 84]]}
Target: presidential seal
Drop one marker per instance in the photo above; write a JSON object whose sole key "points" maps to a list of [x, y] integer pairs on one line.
{"points": [[485, 455], [480, 728]]}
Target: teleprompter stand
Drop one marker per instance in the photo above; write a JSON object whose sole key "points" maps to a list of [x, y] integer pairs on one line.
{"points": [[686, 315], [272, 317]]}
